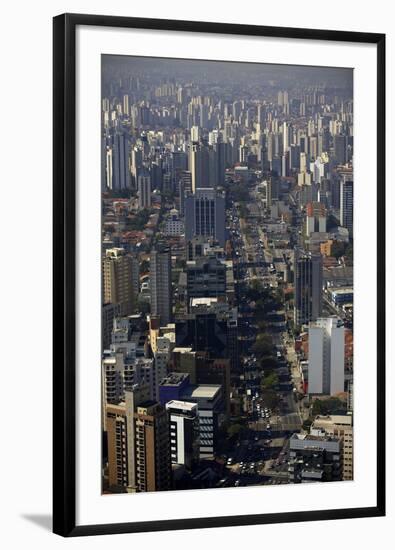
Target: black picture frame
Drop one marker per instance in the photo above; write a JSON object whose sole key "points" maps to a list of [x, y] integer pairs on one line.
{"points": [[64, 272]]}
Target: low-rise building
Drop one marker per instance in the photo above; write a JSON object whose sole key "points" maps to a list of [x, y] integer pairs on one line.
{"points": [[340, 427]]}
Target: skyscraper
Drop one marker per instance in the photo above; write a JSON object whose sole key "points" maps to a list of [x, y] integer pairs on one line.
{"points": [[315, 218], [184, 432], [136, 163], [206, 165], [198, 166], [161, 290], [144, 190], [205, 215], [120, 162], [118, 270], [346, 205], [326, 356], [153, 466], [121, 440], [340, 148], [308, 286], [138, 443]]}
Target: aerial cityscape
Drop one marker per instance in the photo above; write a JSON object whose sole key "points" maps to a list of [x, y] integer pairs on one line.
{"points": [[227, 274]]}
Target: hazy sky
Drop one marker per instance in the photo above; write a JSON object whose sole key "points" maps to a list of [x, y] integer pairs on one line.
{"points": [[217, 71]]}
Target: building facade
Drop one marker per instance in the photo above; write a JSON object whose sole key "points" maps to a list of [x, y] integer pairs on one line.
{"points": [[118, 284], [308, 271], [160, 285], [326, 356], [205, 215], [184, 432], [340, 427]]}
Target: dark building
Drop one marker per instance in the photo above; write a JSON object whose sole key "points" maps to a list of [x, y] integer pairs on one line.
{"points": [[206, 278], [160, 280], [346, 205], [314, 458], [172, 387], [205, 215], [340, 149], [203, 332], [308, 286], [209, 399]]}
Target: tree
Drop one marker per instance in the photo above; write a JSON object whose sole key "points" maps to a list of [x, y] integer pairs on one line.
{"points": [[270, 381], [331, 222], [270, 398], [243, 210], [328, 406], [268, 363], [255, 290], [140, 220], [234, 429], [349, 252], [337, 249], [239, 192], [306, 424], [263, 326], [263, 345]]}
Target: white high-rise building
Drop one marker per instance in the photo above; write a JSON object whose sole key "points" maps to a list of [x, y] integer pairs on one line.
{"points": [[326, 356], [184, 432], [195, 134]]}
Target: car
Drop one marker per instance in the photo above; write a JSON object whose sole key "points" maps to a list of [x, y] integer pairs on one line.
{"points": [[268, 427]]}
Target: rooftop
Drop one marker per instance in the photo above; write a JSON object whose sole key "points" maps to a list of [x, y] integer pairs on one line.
{"points": [[174, 379], [208, 391], [181, 405]]}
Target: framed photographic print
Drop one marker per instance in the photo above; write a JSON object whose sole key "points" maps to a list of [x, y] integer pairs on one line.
{"points": [[217, 275]]}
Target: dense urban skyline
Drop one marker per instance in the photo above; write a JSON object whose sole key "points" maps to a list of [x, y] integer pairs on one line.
{"points": [[227, 257]]}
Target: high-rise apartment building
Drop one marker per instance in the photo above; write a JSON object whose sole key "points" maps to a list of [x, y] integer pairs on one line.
{"points": [[136, 164], [160, 281], [205, 277], [120, 162], [121, 440], [315, 218], [205, 215], [138, 444], [326, 356], [209, 399], [153, 466], [144, 190], [184, 432], [346, 205], [340, 148], [118, 284], [308, 286], [198, 166], [109, 312]]}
